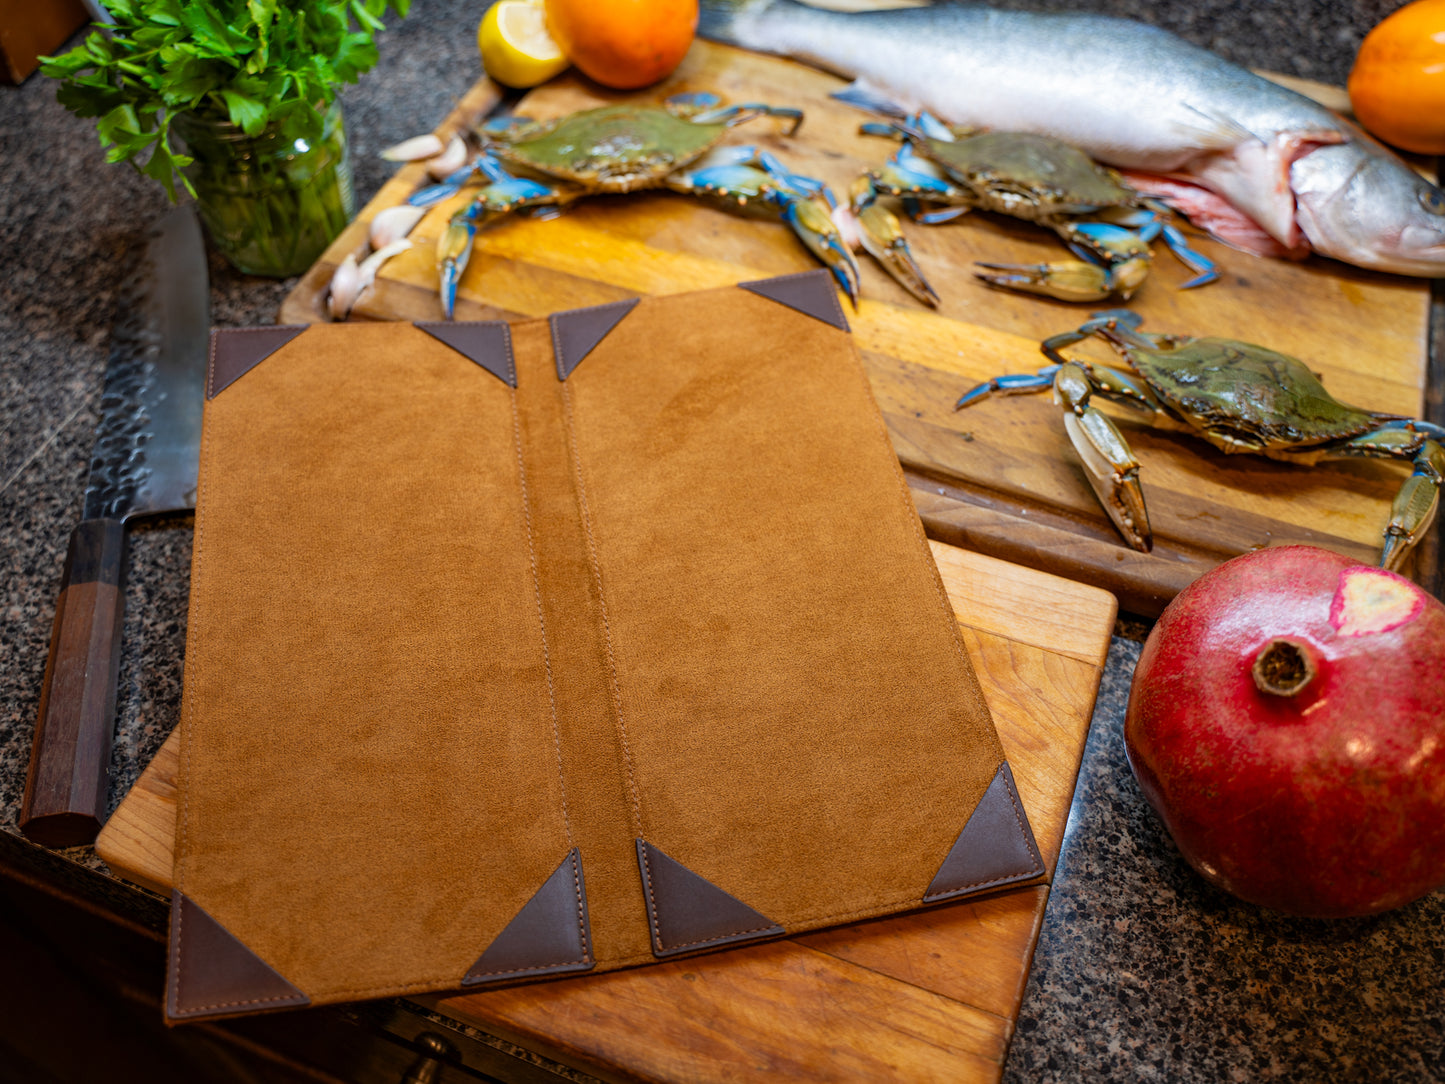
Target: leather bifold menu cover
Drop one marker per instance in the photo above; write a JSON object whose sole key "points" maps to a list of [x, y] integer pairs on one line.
{"points": [[532, 650]]}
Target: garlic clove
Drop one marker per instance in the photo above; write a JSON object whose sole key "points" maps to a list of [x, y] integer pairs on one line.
{"points": [[409, 150], [393, 224], [345, 288], [366, 273], [449, 161]]}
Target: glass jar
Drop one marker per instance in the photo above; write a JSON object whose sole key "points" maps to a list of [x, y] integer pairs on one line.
{"points": [[271, 206]]}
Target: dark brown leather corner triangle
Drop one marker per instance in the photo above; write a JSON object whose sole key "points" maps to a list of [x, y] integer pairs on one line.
{"points": [[548, 936], [235, 351], [688, 912], [575, 333], [996, 846], [213, 974], [809, 292], [487, 342]]}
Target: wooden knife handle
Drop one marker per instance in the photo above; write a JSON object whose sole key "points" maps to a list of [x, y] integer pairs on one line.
{"points": [[65, 791]]}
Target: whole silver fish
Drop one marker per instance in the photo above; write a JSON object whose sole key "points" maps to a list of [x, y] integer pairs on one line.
{"points": [[1132, 96]]}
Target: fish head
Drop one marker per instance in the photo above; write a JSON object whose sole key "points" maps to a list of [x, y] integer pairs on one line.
{"points": [[1359, 203]]}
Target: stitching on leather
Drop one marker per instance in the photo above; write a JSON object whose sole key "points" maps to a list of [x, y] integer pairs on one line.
{"points": [[931, 566], [188, 714], [1017, 807], [1030, 871], [657, 931], [541, 618], [511, 358], [911, 517], [618, 721], [585, 958], [211, 390], [556, 329], [189, 718], [581, 912], [838, 308], [555, 326], [831, 292], [474, 977], [651, 900], [724, 937], [176, 1000]]}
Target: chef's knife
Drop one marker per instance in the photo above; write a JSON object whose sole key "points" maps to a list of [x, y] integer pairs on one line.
{"points": [[145, 460]]}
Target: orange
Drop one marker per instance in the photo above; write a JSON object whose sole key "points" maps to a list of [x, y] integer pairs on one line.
{"points": [[1397, 87], [623, 43]]}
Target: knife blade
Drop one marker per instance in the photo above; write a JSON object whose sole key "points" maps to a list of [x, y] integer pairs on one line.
{"points": [[147, 449]]}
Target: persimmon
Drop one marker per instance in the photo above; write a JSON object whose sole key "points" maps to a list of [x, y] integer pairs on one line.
{"points": [[623, 43], [1397, 87]]}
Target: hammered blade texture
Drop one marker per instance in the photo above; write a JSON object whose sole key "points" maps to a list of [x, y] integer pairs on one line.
{"points": [[118, 463], [150, 412]]}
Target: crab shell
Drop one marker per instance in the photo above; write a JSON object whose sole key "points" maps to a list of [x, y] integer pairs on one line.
{"points": [[617, 148], [1242, 397], [1029, 176]]}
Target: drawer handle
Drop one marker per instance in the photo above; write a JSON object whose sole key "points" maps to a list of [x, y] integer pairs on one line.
{"points": [[427, 1069]]}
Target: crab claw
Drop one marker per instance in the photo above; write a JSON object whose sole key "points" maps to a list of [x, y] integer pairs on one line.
{"points": [[1067, 280], [1414, 506], [880, 235], [454, 246], [454, 249], [1109, 465], [811, 222]]}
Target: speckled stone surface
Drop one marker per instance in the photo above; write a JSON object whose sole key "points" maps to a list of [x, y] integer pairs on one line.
{"points": [[1143, 972]]}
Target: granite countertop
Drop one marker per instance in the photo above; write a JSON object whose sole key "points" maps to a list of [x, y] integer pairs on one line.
{"points": [[1143, 972]]}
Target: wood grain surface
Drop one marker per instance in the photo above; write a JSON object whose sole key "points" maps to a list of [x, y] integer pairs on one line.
{"points": [[926, 996], [999, 478]]}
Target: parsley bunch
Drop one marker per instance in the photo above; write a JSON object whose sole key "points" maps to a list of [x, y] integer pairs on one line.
{"points": [[252, 62]]}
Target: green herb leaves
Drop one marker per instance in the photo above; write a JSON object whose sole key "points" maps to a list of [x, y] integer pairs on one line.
{"points": [[253, 62]]}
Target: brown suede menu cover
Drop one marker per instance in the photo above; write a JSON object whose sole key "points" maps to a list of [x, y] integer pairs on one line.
{"points": [[517, 652]]}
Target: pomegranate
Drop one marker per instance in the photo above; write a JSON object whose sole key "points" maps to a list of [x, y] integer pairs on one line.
{"points": [[1287, 723]]}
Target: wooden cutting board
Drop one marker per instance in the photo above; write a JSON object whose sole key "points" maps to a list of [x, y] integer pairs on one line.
{"points": [[927, 996], [1000, 477]]}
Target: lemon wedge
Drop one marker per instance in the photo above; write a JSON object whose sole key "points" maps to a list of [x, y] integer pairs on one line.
{"points": [[515, 46]]}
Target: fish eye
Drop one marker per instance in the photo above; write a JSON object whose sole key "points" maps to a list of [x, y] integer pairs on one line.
{"points": [[1433, 200]]}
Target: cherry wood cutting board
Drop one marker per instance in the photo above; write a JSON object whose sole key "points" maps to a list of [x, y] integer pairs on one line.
{"points": [[926, 996], [1000, 477]]}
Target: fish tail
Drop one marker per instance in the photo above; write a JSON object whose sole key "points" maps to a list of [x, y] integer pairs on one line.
{"points": [[717, 19]]}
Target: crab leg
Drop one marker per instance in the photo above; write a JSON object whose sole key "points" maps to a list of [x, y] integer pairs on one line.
{"points": [[495, 201], [733, 172], [484, 163], [733, 115], [1066, 280], [1418, 499], [1008, 384], [810, 220], [1154, 221], [909, 174], [1109, 465], [744, 175], [1414, 506], [882, 238]]}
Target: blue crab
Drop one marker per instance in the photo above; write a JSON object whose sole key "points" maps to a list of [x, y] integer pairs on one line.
{"points": [[1033, 177], [1237, 396], [626, 148]]}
